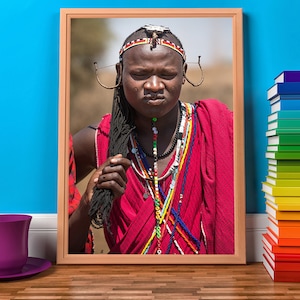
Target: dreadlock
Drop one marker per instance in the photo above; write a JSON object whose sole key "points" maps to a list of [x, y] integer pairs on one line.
{"points": [[122, 125], [120, 129]]}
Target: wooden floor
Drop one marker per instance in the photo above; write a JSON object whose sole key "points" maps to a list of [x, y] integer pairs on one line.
{"points": [[150, 282]]}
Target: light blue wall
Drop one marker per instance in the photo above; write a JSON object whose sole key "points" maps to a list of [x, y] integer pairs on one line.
{"points": [[29, 91]]}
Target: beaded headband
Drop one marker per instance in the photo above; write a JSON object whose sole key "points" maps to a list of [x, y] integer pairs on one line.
{"points": [[155, 32], [158, 41]]}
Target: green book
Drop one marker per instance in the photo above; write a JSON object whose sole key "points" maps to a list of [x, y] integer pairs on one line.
{"points": [[284, 139], [284, 114], [283, 148], [283, 155], [283, 131], [279, 162], [288, 168], [284, 123]]}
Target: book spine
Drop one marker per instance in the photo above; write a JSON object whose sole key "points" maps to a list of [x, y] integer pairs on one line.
{"points": [[284, 114], [285, 105], [283, 182], [284, 131], [283, 155], [288, 76], [285, 139], [291, 169], [284, 124], [284, 88], [283, 148]]}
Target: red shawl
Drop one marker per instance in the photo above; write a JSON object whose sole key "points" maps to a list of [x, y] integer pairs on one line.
{"points": [[207, 211], [74, 195]]}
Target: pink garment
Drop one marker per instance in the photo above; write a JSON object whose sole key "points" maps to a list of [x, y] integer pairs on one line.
{"points": [[207, 209], [75, 197]]}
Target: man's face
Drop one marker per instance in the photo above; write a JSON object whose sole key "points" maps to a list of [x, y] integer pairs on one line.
{"points": [[152, 79]]}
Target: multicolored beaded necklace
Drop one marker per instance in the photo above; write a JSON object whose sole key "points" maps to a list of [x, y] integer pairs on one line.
{"points": [[163, 203]]}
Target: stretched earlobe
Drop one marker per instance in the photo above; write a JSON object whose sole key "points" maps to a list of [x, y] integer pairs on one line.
{"points": [[119, 77], [119, 69], [184, 72], [202, 75]]}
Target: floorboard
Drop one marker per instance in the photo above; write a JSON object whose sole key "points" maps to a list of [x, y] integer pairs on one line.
{"points": [[150, 282]]}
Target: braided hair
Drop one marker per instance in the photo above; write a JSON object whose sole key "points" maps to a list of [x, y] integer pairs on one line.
{"points": [[122, 123]]}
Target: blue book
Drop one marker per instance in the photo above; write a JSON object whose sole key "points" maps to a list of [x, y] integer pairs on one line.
{"points": [[284, 88], [288, 76], [284, 115], [285, 105], [283, 97]]}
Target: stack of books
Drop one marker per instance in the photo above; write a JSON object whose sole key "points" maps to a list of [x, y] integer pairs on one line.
{"points": [[281, 242]]}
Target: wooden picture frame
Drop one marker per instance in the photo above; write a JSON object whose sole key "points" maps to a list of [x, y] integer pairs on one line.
{"points": [[66, 16]]}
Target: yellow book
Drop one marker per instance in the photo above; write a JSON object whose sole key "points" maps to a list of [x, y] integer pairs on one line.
{"points": [[283, 182], [286, 206], [282, 191], [282, 199], [284, 175], [281, 215]]}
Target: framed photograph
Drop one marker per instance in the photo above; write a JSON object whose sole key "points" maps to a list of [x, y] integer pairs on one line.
{"points": [[90, 40]]}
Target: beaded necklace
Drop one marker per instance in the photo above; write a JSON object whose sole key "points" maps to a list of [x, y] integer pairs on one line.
{"points": [[163, 203], [157, 199], [171, 149]]}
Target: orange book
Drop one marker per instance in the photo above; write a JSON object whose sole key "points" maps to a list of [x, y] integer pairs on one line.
{"points": [[284, 229], [281, 215], [283, 241], [285, 223], [275, 248]]}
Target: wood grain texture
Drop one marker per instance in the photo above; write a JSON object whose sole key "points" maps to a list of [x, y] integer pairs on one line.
{"points": [[150, 282]]}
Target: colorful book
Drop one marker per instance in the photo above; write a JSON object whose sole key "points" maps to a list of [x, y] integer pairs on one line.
{"points": [[285, 105], [288, 229], [283, 199], [284, 97], [284, 123], [283, 182], [284, 175], [281, 190], [277, 162], [290, 242], [283, 88], [283, 131], [284, 139], [285, 223], [282, 262], [281, 276], [275, 248], [288, 76], [283, 148], [285, 206], [281, 214], [281, 257], [284, 114], [288, 168], [283, 155]]}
